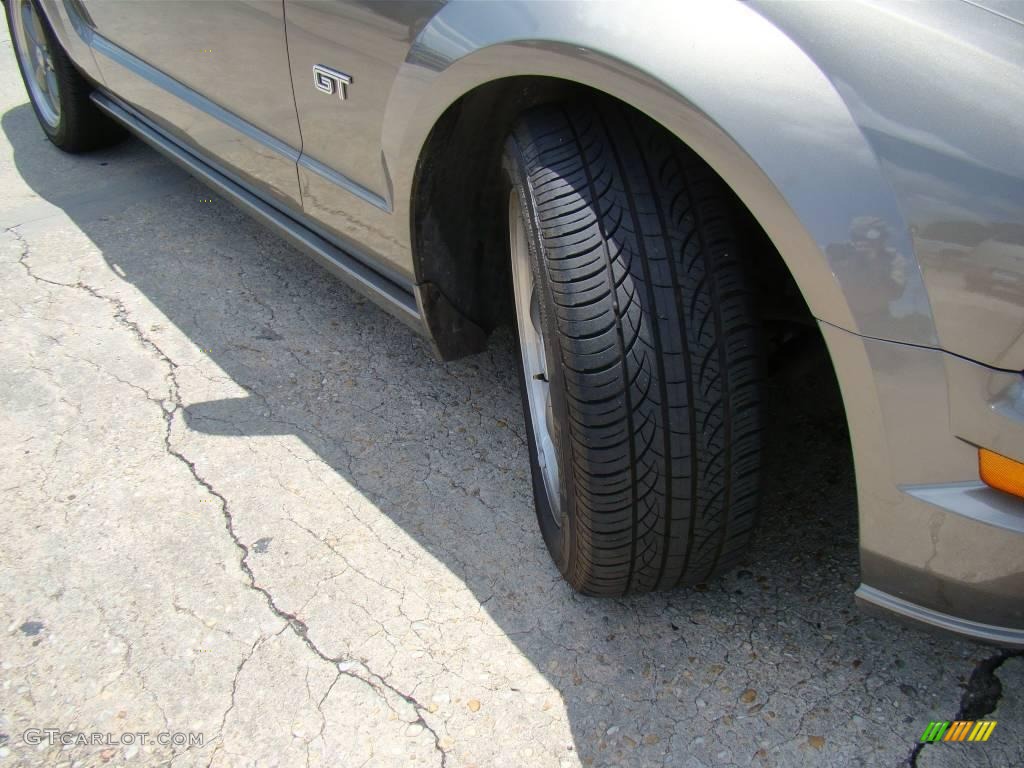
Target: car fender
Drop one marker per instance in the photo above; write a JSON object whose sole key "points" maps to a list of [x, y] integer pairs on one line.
{"points": [[735, 89]]}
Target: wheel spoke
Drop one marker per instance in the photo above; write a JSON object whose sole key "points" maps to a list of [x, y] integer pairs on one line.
{"points": [[51, 90], [28, 24], [37, 33]]}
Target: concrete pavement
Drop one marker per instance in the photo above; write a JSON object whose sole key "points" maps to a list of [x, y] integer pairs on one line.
{"points": [[239, 501]]}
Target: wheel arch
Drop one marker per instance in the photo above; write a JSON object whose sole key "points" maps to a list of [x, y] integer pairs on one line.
{"points": [[792, 153], [73, 28]]}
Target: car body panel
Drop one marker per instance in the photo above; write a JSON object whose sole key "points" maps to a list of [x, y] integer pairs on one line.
{"points": [[938, 91], [369, 41], [344, 175], [931, 534], [894, 197], [213, 74]]}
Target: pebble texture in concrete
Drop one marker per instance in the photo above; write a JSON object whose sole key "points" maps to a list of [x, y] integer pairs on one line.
{"points": [[238, 500]]}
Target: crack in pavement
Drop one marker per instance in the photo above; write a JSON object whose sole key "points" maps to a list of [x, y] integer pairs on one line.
{"points": [[981, 696], [234, 691], [345, 666]]}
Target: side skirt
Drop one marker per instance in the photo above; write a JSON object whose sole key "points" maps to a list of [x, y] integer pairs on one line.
{"points": [[398, 300]]}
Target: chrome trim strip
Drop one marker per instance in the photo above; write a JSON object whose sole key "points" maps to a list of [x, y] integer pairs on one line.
{"points": [[340, 180], [987, 633], [119, 55], [973, 500], [391, 296], [80, 20]]}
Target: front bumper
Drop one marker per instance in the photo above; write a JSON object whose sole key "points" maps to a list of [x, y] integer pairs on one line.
{"points": [[937, 546]]}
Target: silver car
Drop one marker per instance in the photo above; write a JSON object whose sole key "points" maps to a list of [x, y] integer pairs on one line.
{"points": [[660, 197]]}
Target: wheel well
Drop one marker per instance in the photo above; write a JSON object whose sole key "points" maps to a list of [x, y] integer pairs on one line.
{"points": [[461, 256], [459, 228], [458, 232]]}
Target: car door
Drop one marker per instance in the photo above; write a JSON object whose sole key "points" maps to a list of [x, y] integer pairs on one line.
{"points": [[214, 75], [357, 48]]}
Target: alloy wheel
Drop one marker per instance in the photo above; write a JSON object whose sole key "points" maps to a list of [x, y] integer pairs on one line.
{"points": [[36, 57], [534, 356]]}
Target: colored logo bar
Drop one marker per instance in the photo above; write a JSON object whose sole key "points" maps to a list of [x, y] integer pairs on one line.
{"points": [[958, 730]]}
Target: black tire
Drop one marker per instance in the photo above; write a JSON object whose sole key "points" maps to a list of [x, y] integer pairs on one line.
{"points": [[80, 126], [650, 333]]}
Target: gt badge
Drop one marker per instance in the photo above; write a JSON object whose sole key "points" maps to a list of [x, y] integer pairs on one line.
{"points": [[331, 81]]}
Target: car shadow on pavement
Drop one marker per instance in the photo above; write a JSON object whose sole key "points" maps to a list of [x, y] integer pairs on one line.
{"points": [[771, 661]]}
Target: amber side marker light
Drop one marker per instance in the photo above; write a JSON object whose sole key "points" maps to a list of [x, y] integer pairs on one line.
{"points": [[1001, 473]]}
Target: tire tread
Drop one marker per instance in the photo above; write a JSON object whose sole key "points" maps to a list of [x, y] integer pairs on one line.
{"points": [[653, 312]]}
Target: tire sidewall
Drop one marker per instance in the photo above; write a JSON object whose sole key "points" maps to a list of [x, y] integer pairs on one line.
{"points": [[560, 538]]}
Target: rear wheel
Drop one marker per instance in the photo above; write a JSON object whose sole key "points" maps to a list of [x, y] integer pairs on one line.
{"points": [[58, 92], [640, 363]]}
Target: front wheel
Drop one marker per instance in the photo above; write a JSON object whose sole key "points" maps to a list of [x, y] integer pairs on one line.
{"points": [[638, 347]]}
